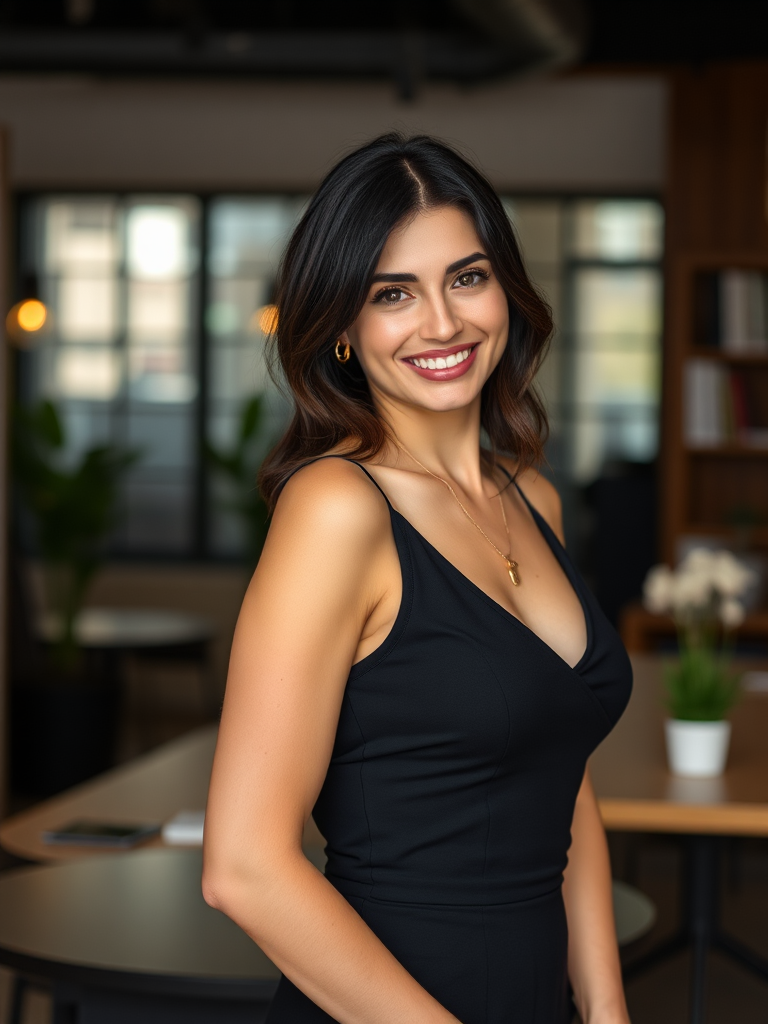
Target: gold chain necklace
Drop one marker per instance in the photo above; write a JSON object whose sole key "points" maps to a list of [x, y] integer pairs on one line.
{"points": [[511, 565]]}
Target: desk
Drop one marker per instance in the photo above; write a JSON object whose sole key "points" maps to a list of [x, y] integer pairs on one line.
{"points": [[129, 937], [153, 787], [637, 793]]}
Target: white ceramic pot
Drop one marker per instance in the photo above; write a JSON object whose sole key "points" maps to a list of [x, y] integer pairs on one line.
{"points": [[697, 748]]}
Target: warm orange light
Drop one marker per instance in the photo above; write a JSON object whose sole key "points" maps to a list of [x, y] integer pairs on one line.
{"points": [[265, 319], [25, 322], [31, 315]]}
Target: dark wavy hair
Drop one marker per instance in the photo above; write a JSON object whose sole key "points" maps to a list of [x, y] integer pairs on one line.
{"points": [[323, 281]]}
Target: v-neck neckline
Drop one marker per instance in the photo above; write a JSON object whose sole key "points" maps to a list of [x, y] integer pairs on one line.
{"points": [[544, 530]]}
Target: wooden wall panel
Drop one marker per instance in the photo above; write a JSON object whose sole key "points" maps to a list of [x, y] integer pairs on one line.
{"points": [[716, 217], [716, 188]]}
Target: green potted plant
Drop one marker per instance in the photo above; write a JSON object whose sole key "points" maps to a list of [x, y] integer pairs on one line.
{"points": [[64, 713], [238, 466], [704, 594]]}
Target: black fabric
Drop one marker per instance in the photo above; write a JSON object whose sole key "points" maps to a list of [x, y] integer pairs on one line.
{"points": [[461, 745]]}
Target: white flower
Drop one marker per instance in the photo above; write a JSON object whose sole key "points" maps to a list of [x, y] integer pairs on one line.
{"points": [[658, 588], [691, 589], [731, 613], [700, 561], [732, 577]]}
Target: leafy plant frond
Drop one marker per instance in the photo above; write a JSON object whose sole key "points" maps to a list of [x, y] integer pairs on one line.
{"points": [[701, 686], [239, 466], [73, 508]]}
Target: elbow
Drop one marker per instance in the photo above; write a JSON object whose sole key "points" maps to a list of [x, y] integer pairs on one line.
{"points": [[231, 883], [215, 885], [223, 883], [212, 891]]}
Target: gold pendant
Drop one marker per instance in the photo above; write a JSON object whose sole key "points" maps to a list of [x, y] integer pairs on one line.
{"points": [[514, 575]]}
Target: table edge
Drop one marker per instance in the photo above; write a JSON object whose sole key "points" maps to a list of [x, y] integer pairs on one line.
{"points": [[627, 815], [249, 989]]}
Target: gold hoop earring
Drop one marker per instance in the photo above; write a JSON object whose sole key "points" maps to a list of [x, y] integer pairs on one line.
{"points": [[342, 354]]}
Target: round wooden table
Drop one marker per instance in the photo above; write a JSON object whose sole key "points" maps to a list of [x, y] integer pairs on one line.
{"points": [[129, 937]]}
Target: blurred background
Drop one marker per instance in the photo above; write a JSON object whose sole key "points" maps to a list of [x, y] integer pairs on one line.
{"points": [[156, 156]]}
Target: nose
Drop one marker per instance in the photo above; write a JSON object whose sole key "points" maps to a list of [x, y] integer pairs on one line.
{"points": [[439, 323]]}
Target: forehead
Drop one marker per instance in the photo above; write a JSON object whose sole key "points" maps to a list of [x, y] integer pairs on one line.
{"points": [[431, 239]]}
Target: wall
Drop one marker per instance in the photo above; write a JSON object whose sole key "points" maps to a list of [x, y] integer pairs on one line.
{"points": [[580, 132]]}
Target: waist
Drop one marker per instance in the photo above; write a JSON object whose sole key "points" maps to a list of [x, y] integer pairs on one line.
{"points": [[470, 893]]}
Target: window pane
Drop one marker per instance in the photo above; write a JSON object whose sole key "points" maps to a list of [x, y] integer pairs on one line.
{"points": [[617, 229], [80, 234], [87, 308], [617, 307], [160, 241], [616, 367], [120, 277], [87, 373], [247, 238]]}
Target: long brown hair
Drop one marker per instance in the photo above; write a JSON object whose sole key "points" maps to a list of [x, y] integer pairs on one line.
{"points": [[323, 281]]}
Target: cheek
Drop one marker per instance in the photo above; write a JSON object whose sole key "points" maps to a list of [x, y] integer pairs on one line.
{"points": [[378, 337], [497, 315]]}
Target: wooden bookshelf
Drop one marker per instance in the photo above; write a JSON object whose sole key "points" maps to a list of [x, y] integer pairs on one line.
{"points": [[717, 220]]}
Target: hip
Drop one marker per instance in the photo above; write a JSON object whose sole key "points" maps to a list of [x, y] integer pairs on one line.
{"points": [[487, 964]]}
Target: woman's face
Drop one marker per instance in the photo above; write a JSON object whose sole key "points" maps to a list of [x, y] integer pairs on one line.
{"points": [[435, 320]]}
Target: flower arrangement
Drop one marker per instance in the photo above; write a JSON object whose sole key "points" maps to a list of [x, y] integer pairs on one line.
{"points": [[705, 595]]}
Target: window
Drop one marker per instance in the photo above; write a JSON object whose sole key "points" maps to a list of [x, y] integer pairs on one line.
{"points": [[121, 277], [598, 262], [246, 240], [157, 340]]}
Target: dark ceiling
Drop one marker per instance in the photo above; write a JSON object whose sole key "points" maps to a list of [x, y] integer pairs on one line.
{"points": [[460, 40]]}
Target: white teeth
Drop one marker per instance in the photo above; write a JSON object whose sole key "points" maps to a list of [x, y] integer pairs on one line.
{"points": [[442, 364]]}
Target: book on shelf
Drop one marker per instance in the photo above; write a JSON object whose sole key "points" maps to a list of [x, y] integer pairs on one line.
{"points": [[731, 311], [718, 407]]}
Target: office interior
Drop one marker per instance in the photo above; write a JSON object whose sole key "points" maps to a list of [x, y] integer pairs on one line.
{"points": [[154, 162]]}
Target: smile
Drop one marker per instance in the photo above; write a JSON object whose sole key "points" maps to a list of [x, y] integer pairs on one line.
{"points": [[445, 366]]}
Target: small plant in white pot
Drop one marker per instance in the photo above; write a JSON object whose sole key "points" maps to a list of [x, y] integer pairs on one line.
{"points": [[704, 596]]}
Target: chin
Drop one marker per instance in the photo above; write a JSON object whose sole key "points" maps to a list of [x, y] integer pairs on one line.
{"points": [[447, 401]]}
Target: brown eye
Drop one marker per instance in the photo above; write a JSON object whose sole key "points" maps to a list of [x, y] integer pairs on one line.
{"points": [[470, 278], [389, 296]]}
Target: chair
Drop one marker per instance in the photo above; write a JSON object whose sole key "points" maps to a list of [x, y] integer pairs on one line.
{"points": [[635, 914]]}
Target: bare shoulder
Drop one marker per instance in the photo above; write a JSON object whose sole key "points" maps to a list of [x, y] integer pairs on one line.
{"points": [[329, 537], [541, 493], [335, 497]]}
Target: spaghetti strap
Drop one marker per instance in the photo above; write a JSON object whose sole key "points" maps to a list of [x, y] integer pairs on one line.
{"points": [[373, 479], [520, 491], [354, 463]]}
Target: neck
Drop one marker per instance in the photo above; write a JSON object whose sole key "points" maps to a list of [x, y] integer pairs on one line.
{"points": [[447, 443]]}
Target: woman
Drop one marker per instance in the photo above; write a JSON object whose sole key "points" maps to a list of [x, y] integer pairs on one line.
{"points": [[416, 659]]}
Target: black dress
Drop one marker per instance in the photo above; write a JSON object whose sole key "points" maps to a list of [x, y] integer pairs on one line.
{"points": [[461, 745]]}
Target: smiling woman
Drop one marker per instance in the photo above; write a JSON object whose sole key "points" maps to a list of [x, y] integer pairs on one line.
{"points": [[392, 672], [329, 274]]}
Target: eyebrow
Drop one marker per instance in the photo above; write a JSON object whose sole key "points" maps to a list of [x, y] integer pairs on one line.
{"points": [[394, 278]]}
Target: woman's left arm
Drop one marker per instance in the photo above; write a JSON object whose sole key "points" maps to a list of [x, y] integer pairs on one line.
{"points": [[593, 954]]}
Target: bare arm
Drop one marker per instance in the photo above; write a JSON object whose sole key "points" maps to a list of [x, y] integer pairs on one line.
{"points": [[593, 956], [316, 586]]}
